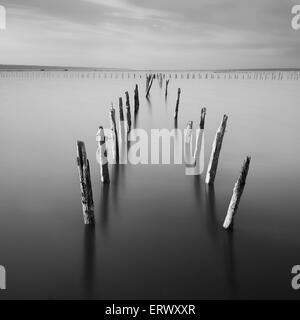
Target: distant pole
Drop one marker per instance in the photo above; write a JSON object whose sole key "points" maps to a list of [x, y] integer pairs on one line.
{"points": [[104, 172], [136, 99], [167, 85], [114, 134], [128, 112], [85, 184], [177, 104], [215, 154], [237, 194], [122, 129]]}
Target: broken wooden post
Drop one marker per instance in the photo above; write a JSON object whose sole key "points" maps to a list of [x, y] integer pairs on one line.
{"points": [[122, 129], [114, 134], [149, 85], [188, 138], [216, 149], [128, 112], [177, 104], [197, 165], [237, 194], [85, 184], [102, 156], [167, 85], [136, 99]]}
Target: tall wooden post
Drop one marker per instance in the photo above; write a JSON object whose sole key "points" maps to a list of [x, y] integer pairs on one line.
{"points": [[149, 85], [114, 134], [177, 104], [215, 154], [85, 184], [102, 152], [237, 194], [136, 99], [128, 112]]}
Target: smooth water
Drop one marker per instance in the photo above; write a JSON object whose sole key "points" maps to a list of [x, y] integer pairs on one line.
{"points": [[158, 233]]}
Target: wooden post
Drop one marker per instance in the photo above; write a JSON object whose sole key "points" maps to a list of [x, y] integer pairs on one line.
{"points": [[85, 184], [128, 112], [202, 118], [149, 85], [237, 194], [114, 134], [216, 149], [167, 85], [102, 156], [160, 80], [147, 82], [136, 99], [177, 104], [122, 129]]}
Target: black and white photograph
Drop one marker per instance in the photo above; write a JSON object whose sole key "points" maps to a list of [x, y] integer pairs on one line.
{"points": [[150, 152]]}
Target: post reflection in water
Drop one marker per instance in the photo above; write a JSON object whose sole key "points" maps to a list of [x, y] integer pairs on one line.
{"points": [[230, 262], [89, 260], [210, 209], [223, 241], [104, 205]]}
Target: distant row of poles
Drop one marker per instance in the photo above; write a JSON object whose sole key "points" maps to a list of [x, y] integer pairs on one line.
{"points": [[251, 75]]}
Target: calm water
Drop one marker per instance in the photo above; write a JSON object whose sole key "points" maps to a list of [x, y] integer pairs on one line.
{"points": [[158, 233]]}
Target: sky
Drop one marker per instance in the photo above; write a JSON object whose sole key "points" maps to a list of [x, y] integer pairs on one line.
{"points": [[152, 34]]}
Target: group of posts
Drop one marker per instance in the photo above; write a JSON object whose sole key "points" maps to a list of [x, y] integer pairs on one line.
{"points": [[83, 162], [193, 163]]}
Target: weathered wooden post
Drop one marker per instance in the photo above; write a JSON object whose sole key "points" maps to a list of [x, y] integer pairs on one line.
{"points": [[85, 184], [216, 149], [167, 85], [102, 156], [136, 99], [114, 134], [237, 194], [149, 86], [128, 112], [177, 104], [123, 133]]}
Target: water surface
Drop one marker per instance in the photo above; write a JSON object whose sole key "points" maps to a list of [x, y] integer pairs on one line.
{"points": [[158, 233]]}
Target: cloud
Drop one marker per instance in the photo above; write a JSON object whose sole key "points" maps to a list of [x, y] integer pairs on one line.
{"points": [[124, 8]]}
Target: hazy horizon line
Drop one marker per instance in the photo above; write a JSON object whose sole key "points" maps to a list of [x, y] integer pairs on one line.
{"points": [[70, 68]]}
